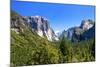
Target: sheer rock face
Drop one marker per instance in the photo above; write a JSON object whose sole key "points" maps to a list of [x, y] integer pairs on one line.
{"points": [[41, 26]]}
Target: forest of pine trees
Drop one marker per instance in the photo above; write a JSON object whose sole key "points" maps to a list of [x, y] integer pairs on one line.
{"points": [[35, 50]]}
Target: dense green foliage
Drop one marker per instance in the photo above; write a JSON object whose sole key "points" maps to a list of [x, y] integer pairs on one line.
{"points": [[66, 49], [31, 49], [27, 50]]}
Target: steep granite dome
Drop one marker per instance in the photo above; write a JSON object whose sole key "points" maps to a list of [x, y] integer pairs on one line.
{"points": [[75, 34]]}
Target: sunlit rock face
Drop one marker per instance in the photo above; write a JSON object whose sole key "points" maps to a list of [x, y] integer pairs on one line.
{"points": [[41, 26]]}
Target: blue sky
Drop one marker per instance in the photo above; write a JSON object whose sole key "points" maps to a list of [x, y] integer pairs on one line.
{"points": [[60, 16]]}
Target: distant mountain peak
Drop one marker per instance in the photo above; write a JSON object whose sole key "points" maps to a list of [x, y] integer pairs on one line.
{"points": [[76, 33]]}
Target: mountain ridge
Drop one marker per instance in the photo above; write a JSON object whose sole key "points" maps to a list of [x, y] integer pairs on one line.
{"points": [[40, 25]]}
